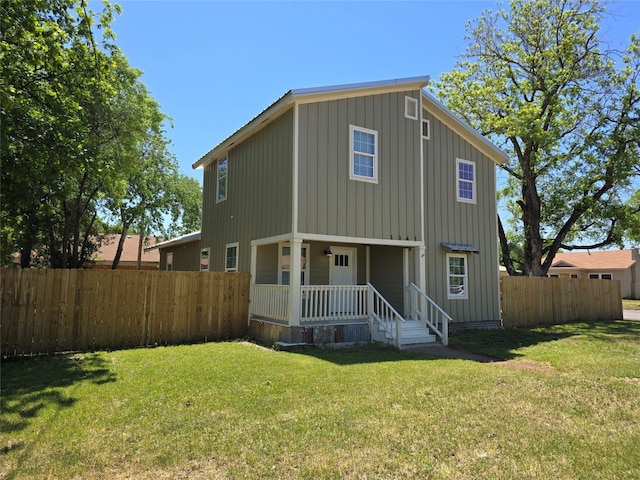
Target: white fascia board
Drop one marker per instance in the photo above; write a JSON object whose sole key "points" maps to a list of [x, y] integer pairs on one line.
{"points": [[267, 115], [462, 128], [189, 237], [306, 95], [316, 237]]}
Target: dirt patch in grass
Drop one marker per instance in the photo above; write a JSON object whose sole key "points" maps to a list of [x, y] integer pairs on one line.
{"points": [[530, 365]]}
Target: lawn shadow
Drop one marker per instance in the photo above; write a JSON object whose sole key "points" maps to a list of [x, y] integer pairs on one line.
{"points": [[609, 331], [31, 384], [355, 354], [504, 343]]}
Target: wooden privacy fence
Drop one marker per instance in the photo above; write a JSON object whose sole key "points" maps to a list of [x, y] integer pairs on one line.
{"points": [[537, 300], [50, 310]]}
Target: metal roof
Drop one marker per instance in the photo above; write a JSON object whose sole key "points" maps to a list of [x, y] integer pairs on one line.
{"points": [[287, 100], [458, 247], [189, 237]]}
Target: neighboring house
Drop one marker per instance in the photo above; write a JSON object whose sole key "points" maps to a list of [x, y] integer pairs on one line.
{"points": [[382, 194], [623, 265], [103, 258], [180, 253]]}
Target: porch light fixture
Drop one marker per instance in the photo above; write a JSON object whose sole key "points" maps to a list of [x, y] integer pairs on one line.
{"points": [[328, 252]]}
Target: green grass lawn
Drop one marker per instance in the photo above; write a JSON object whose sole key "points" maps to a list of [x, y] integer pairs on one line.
{"points": [[565, 404], [630, 304]]}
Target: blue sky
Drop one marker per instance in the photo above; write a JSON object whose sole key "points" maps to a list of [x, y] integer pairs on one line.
{"points": [[214, 65]]}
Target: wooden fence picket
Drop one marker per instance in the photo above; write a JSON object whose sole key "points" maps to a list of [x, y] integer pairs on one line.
{"points": [[535, 300], [50, 310]]}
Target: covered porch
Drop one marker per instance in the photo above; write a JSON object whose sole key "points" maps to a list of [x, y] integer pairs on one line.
{"points": [[342, 292]]}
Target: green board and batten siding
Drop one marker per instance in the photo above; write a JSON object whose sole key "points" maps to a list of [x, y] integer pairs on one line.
{"points": [[332, 204], [186, 256], [259, 202], [259, 198], [447, 220]]}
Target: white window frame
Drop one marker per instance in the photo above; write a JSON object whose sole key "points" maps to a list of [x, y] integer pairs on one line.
{"points": [[169, 262], [465, 277], [352, 153], [459, 181], [206, 251], [427, 123], [220, 180], [228, 247], [411, 108], [598, 276], [304, 272]]}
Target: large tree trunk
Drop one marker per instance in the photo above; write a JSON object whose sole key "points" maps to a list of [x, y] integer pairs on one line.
{"points": [[123, 236]]}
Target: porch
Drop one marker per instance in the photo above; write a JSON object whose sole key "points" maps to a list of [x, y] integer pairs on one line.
{"points": [[334, 314]]}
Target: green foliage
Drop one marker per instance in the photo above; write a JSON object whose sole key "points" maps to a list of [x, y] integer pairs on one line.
{"points": [[76, 122], [567, 109]]}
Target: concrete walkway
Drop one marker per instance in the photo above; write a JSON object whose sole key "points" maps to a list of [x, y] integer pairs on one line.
{"points": [[438, 350], [631, 314]]}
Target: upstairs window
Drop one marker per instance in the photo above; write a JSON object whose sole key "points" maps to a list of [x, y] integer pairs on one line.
{"points": [[426, 129], [363, 154], [466, 181], [222, 174]]}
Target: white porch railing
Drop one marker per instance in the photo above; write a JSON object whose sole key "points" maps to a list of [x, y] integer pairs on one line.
{"points": [[335, 303], [428, 311], [270, 301], [322, 303]]}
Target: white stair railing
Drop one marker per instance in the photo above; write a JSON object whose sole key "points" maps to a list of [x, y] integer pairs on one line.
{"points": [[429, 312], [385, 315]]}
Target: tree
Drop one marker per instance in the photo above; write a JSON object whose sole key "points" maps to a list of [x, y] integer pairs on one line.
{"points": [[154, 196], [567, 109], [76, 122], [59, 92]]}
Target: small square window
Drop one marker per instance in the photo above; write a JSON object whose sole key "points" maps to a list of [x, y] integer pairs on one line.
{"points": [[411, 108], [466, 181]]}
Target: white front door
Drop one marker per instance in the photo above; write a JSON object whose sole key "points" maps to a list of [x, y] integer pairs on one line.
{"points": [[342, 272]]}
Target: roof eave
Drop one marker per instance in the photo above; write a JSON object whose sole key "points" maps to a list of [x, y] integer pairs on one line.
{"points": [[267, 114], [189, 237], [302, 94], [465, 130], [394, 84]]}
